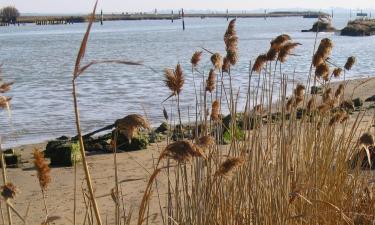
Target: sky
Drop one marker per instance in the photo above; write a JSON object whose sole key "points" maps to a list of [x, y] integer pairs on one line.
{"points": [[110, 6]]}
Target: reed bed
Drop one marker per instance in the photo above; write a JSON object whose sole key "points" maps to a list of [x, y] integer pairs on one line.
{"points": [[279, 160]]}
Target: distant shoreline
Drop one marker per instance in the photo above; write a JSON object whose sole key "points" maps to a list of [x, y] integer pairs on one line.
{"points": [[176, 16]]}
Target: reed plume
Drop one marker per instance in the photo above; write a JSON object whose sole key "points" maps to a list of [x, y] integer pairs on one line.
{"points": [[231, 43], [226, 65], [272, 54], [229, 165], [206, 141], [4, 102], [259, 63], [324, 108], [231, 31], [322, 71], [349, 63], [279, 41], [129, 125], [311, 104], [337, 72], [181, 151], [210, 83], [286, 50], [5, 87], [42, 169], [323, 52], [367, 140], [327, 95], [174, 79], [9, 191], [339, 117], [196, 58], [340, 91], [299, 90], [215, 111], [217, 61]]}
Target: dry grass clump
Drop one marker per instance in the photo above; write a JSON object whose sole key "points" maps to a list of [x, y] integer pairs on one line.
{"points": [[129, 125], [323, 52], [322, 71]]}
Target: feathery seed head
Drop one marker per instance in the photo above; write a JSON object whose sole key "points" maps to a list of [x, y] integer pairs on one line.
{"points": [[196, 58], [349, 63], [337, 72], [286, 50], [259, 63], [339, 91], [174, 80], [210, 83], [206, 141], [217, 61], [215, 111], [229, 165], [367, 140], [42, 168], [300, 90], [322, 70], [280, 40], [226, 65]]}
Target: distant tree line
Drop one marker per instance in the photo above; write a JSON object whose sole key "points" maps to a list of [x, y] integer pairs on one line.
{"points": [[9, 14]]}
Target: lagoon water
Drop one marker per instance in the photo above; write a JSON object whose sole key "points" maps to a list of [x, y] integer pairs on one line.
{"points": [[40, 60]]}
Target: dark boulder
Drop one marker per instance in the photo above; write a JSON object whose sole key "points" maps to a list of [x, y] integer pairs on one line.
{"points": [[359, 27]]}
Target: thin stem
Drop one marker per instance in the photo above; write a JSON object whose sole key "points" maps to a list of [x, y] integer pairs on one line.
{"points": [[3, 168], [83, 154]]}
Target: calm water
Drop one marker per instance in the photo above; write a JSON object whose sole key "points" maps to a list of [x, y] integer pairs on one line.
{"points": [[40, 59]]}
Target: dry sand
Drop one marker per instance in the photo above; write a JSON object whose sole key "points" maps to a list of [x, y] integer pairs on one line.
{"points": [[134, 171]]}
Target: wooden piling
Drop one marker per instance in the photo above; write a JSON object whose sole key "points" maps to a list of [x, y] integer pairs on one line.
{"points": [[172, 17], [183, 19]]}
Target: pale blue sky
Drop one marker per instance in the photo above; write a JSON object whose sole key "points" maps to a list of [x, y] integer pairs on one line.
{"points": [[82, 6]]}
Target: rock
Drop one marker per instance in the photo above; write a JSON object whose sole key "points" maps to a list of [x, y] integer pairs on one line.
{"points": [[52, 145], [137, 143], [98, 144], [155, 137], [359, 27], [9, 151], [358, 102], [322, 26], [12, 160], [65, 154], [316, 90], [63, 138], [370, 99], [162, 128]]}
